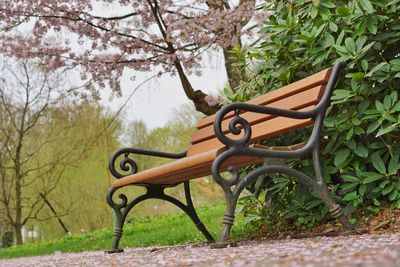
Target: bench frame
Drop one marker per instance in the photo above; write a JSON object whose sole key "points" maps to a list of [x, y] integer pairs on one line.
{"points": [[123, 207], [235, 184]]}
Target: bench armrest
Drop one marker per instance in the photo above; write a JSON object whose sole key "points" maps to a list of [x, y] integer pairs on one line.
{"points": [[128, 165], [237, 123]]}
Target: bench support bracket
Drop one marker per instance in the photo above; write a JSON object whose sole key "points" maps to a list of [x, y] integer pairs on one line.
{"points": [[235, 184], [123, 207]]}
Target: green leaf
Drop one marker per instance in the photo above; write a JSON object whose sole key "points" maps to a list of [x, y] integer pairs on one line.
{"points": [[394, 165], [350, 45], [358, 130], [333, 27], [395, 204], [341, 94], [355, 121], [378, 163], [340, 38], [376, 68], [316, 2], [327, 4], [361, 26], [341, 157], [372, 26], [387, 102], [360, 42], [386, 130], [365, 49], [314, 12], [362, 189], [393, 195], [384, 183], [396, 107], [313, 204], [371, 177], [379, 106], [394, 96], [349, 134], [350, 196], [350, 178], [373, 126], [352, 144], [349, 186], [364, 65], [358, 75], [361, 151], [367, 6], [342, 11], [387, 189]]}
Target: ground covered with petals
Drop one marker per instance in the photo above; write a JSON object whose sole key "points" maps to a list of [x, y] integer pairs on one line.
{"points": [[354, 250]]}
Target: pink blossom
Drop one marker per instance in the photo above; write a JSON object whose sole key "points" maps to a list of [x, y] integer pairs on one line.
{"points": [[146, 34], [213, 100]]}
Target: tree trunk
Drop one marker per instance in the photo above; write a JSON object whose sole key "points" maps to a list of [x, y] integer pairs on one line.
{"points": [[18, 233], [233, 63], [197, 97], [18, 212], [234, 71]]}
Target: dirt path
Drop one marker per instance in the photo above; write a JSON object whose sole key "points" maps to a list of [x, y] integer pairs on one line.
{"points": [[359, 250]]}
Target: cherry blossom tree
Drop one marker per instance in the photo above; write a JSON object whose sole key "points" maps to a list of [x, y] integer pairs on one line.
{"points": [[169, 36]]}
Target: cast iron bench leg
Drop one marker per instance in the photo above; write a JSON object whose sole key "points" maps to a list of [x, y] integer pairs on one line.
{"points": [[153, 192], [227, 222], [233, 187], [323, 192]]}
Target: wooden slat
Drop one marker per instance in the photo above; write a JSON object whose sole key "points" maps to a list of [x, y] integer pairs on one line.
{"points": [[319, 78], [294, 102], [206, 170], [260, 131], [183, 174]]}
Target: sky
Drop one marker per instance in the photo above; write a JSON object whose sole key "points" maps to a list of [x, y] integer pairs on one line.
{"points": [[154, 101]]}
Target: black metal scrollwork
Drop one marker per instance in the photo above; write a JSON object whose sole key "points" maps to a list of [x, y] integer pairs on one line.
{"points": [[236, 126], [127, 164]]}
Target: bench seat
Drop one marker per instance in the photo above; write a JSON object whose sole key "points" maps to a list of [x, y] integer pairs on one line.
{"points": [[195, 166], [181, 170]]}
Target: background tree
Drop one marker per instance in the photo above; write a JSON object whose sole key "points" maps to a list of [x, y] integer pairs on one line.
{"points": [[83, 185], [30, 101], [142, 35]]}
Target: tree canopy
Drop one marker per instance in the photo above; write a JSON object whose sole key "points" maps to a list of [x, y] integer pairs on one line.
{"points": [[141, 35]]}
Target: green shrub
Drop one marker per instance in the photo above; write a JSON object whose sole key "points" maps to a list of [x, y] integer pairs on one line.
{"points": [[7, 239], [361, 137]]}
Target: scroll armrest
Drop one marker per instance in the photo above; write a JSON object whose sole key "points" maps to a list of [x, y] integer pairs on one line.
{"points": [[237, 123], [128, 165]]}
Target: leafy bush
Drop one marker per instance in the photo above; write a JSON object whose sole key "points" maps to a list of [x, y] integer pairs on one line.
{"points": [[360, 146], [7, 239]]}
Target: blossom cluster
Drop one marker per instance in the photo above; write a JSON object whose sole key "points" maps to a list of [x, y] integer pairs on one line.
{"points": [[145, 34]]}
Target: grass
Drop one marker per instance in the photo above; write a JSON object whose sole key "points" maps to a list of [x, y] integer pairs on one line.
{"points": [[160, 230]]}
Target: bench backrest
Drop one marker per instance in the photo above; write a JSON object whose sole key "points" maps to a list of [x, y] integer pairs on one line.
{"points": [[300, 95]]}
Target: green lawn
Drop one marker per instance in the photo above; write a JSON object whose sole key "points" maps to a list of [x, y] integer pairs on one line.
{"points": [[160, 230]]}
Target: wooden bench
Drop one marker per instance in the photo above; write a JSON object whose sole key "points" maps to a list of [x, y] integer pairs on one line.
{"points": [[228, 141]]}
